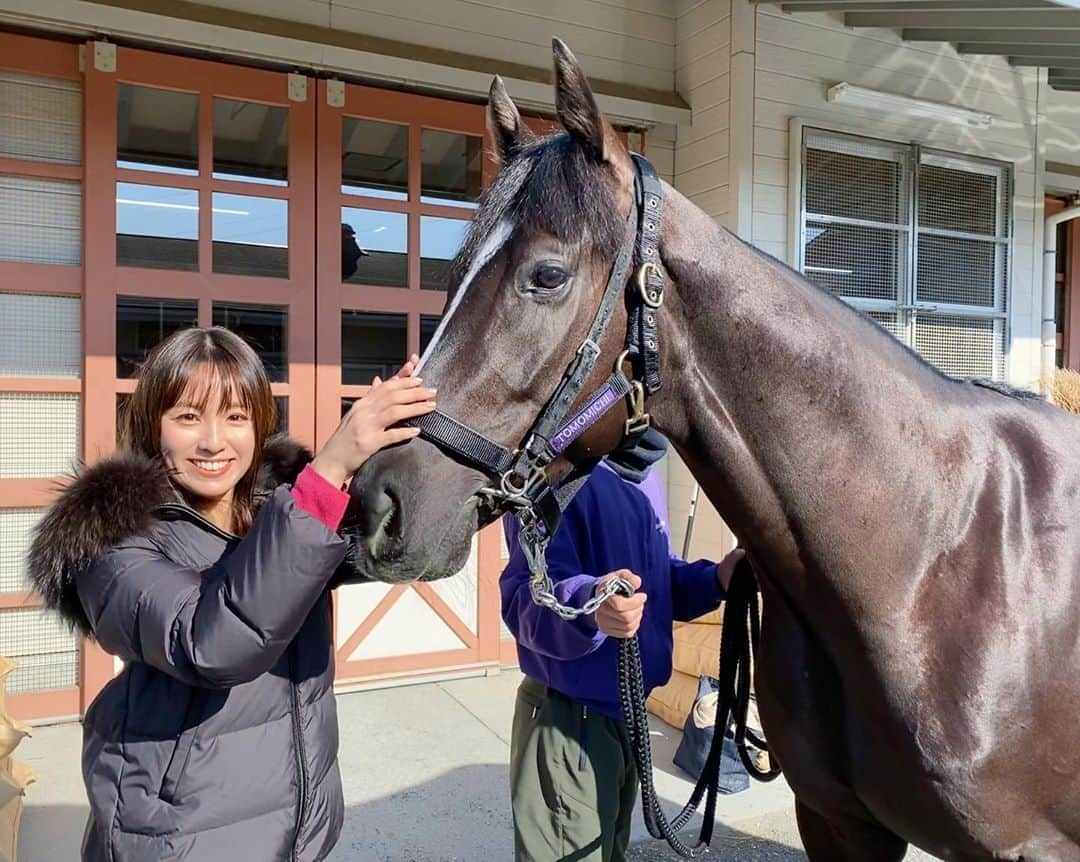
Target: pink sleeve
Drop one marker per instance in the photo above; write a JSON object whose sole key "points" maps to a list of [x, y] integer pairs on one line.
{"points": [[320, 499]]}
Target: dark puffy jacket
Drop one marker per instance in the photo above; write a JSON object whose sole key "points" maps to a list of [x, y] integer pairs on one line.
{"points": [[218, 741]]}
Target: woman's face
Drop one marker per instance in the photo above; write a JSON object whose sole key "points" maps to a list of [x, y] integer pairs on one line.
{"points": [[209, 450]]}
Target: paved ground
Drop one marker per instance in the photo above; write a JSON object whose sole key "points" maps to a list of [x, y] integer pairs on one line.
{"points": [[424, 768]]}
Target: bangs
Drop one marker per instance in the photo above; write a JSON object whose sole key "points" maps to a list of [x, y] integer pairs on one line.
{"points": [[203, 380]]}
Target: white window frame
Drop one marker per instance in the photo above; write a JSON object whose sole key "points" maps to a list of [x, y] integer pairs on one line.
{"points": [[908, 306]]}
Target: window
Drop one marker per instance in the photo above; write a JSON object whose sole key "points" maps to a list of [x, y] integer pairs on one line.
{"points": [[916, 239]]}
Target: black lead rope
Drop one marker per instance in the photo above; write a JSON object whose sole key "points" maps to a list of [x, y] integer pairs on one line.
{"points": [[738, 647]]}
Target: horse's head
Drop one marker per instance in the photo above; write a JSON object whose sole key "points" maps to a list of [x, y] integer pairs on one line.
{"points": [[528, 282]]}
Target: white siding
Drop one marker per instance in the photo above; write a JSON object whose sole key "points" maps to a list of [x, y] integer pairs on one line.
{"points": [[1061, 131], [702, 78], [615, 41], [798, 56], [700, 170]]}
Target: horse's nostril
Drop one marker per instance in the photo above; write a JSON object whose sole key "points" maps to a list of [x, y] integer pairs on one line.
{"points": [[383, 516]]}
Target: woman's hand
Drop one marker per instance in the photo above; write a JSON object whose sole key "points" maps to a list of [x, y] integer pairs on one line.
{"points": [[368, 426]]}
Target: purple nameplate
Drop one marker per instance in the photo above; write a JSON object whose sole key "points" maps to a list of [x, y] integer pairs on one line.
{"points": [[588, 415]]}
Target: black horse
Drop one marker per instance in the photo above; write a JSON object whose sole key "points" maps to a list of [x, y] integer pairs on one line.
{"points": [[917, 538]]}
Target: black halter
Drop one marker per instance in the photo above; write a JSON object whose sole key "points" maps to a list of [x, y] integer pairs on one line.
{"points": [[520, 480]]}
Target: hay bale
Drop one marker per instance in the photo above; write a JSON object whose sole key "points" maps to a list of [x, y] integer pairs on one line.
{"points": [[1066, 390]]}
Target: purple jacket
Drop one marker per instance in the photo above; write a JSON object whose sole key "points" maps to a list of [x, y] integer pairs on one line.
{"points": [[611, 524]]}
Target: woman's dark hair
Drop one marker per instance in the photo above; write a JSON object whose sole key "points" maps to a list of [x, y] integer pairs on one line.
{"points": [[166, 376]]}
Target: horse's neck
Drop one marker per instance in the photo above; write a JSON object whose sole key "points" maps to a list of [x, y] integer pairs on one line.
{"points": [[792, 412]]}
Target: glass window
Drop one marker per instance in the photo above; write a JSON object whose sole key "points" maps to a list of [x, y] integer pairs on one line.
{"points": [[374, 247], [282, 404], [157, 130], [143, 323], [371, 344], [40, 118], [251, 142], [440, 239], [451, 172], [40, 220], [157, 227], [918, 271], [122, 400], [251, 235], [428, 324], [374, 159], [265, 328]]}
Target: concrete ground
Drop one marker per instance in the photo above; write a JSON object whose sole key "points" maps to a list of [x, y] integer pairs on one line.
{"points": [[424, 770]]}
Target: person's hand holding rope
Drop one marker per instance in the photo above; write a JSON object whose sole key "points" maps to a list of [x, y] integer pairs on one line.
{"points": [[620, 616]]}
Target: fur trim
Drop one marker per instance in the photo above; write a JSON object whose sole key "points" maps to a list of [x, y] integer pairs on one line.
{"points": [[112, 501]]}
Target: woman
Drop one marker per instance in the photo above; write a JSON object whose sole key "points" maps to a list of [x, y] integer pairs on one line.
{"points": [[203, 556]]}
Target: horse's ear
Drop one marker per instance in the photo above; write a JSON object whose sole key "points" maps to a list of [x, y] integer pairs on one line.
{"points": [[504, 123], [580, 116]]}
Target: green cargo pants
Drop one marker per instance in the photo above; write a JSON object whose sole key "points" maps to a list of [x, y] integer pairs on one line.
{"points": [[573, 783]]}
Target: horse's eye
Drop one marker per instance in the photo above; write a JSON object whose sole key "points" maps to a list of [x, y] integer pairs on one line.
{"points": [[549, 276]]}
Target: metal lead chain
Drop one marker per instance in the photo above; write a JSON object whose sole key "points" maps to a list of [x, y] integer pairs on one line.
{"points": [[534, 542]]}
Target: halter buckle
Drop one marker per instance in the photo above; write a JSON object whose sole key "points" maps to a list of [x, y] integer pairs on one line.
{"points": [[639, 420], [653, 297], [516, 488]]}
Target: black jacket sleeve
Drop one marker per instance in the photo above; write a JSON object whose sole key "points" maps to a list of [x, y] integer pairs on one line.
{"points": [[224, 626]]}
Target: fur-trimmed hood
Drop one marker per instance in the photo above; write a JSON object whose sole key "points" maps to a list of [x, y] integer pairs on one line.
{"points": [[114, 500]]}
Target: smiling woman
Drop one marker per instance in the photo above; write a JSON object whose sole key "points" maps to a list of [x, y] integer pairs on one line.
{"points": [[202, 555]]}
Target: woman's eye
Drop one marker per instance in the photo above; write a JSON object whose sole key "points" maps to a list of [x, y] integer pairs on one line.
{"points": [[238, 417], [549, 277]]}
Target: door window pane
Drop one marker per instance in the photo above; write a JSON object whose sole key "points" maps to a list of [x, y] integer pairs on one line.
{"points": [[251, 142], [428, 324], [374, 159], [157, 227], [381, 253], [265, 328], [371, 344], [440, 239], [251, 235], [157, 130], [40, 220], [451, 172], [282, 404], [142, 323], [40, 118]]}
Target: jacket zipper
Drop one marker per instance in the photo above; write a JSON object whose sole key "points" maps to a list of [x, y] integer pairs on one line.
{"points": [[301, 769], [187, 511]]}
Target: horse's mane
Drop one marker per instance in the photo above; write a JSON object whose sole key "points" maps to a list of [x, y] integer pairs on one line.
{"points": [[555, 186], [1006, 389]]}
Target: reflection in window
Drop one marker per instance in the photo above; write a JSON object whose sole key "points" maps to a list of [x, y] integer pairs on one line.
{"points": [[157, 130], [371, 344], [282, 404], [141, 324], [251, 142], [265, 328], [374, 159], [122, 399], [451, 171], [384, 236], [157, 227], [428, 324], [251, 235], [440, 239]]}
